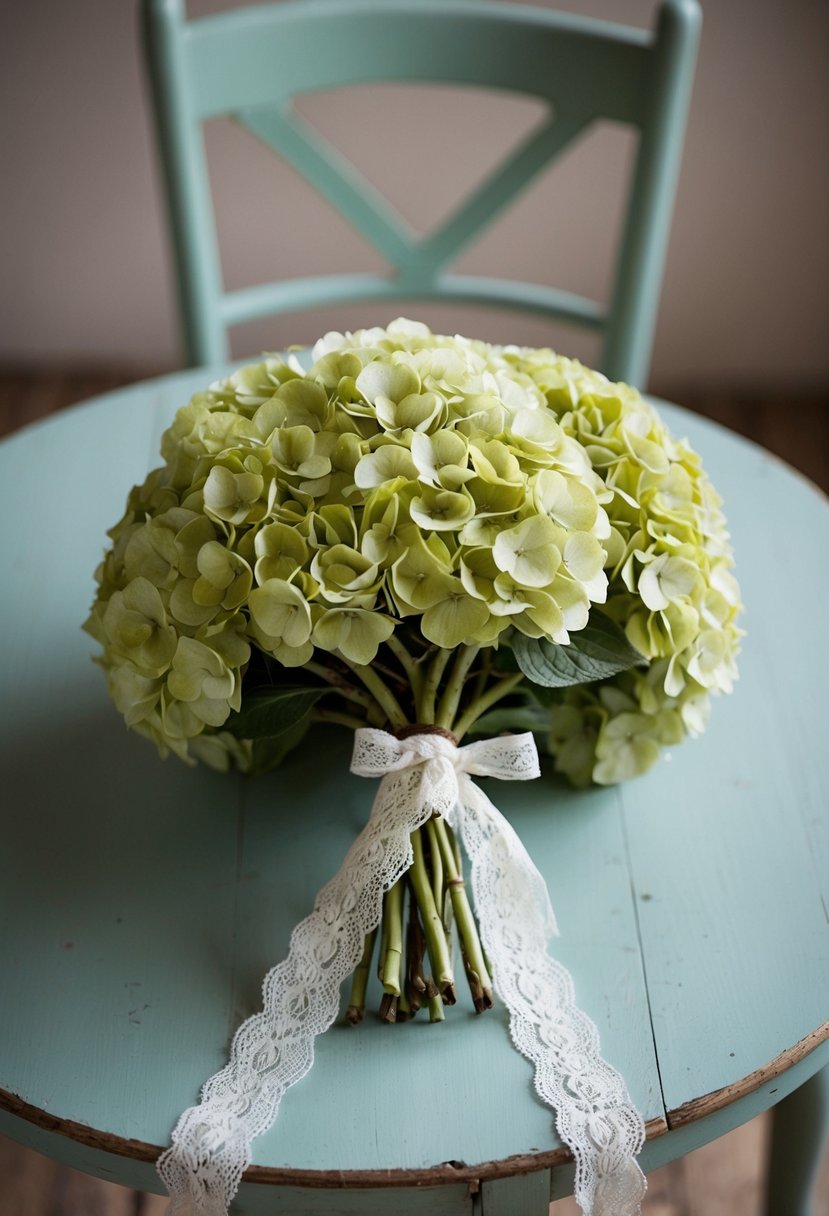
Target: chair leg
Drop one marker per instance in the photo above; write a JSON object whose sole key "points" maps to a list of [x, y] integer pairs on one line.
{"points": [[799, 1132]]}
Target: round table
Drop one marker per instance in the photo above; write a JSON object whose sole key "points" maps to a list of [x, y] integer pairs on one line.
{"points": [[143, 901]]}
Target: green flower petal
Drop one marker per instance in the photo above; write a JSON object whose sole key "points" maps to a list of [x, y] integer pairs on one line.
{"points": [[667, 578], [353, 632], [454, 620], [626, 747], [441, 510], [471, 491], [528, 552], [419, 578], [385, 464], [231, 496], [566, 500], [387, 382], [345, 575], [280, 551], [584, 559], [135, 626], [281, 613]]}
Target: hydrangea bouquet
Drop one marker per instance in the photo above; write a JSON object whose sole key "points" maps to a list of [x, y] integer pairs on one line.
{"points": [[432, 538], [420, 530]]}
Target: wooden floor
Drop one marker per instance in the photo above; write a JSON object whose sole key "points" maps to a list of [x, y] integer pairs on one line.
{"points": [[725, 1178]]}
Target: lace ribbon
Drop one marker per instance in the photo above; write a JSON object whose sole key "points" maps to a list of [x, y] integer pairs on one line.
{"points": [[422, 775]]}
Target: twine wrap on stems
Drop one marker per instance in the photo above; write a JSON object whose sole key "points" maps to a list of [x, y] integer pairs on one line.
{"points": [[422, 775]]}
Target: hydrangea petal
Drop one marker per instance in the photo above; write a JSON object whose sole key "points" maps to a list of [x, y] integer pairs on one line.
{"points": [[528, 552], [281, 612]]}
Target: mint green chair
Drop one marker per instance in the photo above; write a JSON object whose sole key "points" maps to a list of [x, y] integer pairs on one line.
{"points": [[251, 62]]}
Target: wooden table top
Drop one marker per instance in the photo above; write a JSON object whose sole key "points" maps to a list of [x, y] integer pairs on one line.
{"points": [[143, 901]]}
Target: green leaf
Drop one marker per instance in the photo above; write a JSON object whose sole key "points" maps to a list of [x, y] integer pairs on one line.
{"points": [[267, 713], [512, 718], [268, 753], [596, 652]]}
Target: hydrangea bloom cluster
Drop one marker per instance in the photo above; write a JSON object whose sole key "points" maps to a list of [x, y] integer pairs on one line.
{"points": [[406, 485]]}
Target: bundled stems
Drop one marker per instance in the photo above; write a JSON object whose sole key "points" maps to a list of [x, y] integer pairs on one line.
{"points": [[426, 703], [420, 909], [432, 923], [477, 973], [413, 672], [494, 694], [448, 708], [381, 692], [418, 912]]}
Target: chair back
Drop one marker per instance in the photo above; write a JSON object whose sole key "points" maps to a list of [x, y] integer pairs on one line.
{"points": [[251, 63]]}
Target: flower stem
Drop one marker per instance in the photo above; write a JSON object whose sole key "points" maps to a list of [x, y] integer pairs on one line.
{"points": [[436, 1013], [384, 942], [415, 949], [338, 681], [451, 698], [483, 675], [425, 923], [426, 704], [489, 698], [359, 982], [413, 672], [436, 861], [393, 957], [388, 1007], [382, 694], [332, 715], [432, 924], [479, 981]]}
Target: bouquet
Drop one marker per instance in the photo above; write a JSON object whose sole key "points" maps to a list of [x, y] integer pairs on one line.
{"points": [[431, 537]]}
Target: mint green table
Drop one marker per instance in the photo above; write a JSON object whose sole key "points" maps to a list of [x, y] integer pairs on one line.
{"points": [[143, 901]]}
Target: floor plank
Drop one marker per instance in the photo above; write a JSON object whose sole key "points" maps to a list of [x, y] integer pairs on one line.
{"points": [[726, 1177], [29, 1181], [80, 1195]]}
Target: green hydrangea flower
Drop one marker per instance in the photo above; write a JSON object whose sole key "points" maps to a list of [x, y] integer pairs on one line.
{"points": [[411, 495]]}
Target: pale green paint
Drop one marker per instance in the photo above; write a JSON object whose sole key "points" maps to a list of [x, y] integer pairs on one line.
{"points": [[797, 1144], [251, 63], [690, 898], [509, 1196], [734, 848]]}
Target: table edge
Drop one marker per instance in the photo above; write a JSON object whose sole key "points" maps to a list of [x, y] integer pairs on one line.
{"points": [[688, 1113], [446, 1172], [707, 1104], [437, 1175]]}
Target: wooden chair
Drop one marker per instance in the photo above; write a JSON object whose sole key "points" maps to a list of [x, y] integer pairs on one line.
{"points": [[252, 62]]}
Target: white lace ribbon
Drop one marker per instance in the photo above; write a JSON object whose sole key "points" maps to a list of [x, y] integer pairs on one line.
{"points": [[422, 775]]}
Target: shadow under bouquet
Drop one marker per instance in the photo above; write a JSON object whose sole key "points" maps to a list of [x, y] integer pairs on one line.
{"points": [[427, 540]]}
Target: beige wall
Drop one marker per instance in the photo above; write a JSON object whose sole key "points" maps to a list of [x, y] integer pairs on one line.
{"points": [[746, 296]]}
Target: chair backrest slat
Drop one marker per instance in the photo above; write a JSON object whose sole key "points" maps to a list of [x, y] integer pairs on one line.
{"points": [[250, 57], [251, 63]]}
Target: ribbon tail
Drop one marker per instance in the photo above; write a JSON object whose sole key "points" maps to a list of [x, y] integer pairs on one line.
{"points": [[594, 1114], [211, 1145]]}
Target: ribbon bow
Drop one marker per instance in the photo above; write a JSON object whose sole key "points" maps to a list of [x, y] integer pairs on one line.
{"points": [[444, 774], [422, 775]]}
